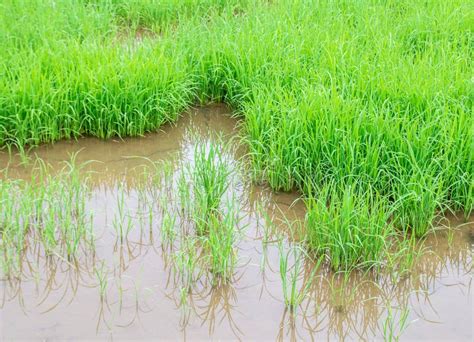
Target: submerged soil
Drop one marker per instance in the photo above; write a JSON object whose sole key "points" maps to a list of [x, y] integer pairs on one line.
{"points": [[58, 299]]}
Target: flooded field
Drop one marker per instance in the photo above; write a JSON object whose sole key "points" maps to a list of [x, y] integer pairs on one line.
{"points": [[136, 273]]}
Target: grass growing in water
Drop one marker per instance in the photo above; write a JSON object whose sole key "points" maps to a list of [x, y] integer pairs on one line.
{"points": [[291, 274], [210, 180], [380, 104], [350, 229], [186, 267], [122, 221], [206, 225], [215, 213], [51, 211], [394, 326], [220, 242]]}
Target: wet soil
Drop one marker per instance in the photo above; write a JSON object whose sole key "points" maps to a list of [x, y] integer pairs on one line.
{"points": [[56, 299]]}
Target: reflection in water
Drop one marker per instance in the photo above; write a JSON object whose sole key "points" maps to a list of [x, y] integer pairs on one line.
{"points": [[136, 279]]}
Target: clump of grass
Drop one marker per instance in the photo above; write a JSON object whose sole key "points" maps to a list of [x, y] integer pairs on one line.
{"points": [[122, 221], [219, 242], [395, 324], [101, 274], [205, 226], [51, 211], [214, 213], [168, 224], [291, 275], [159, 15], [210, 180], [186, 265], [348, 227], [404, 256], [418, 199]]}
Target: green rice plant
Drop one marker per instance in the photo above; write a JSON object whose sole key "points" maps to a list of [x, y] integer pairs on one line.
{"points": [[394, 325], [157, 15], [291, 274], [14, 225], [52, 211], [76, 223], [186, 266], [168, 224], [220, 241], [184, 193], [122, 221], [418, 199], [146, 202], [268, 232], [348, 227], [404, 256], [102, 278], [208, 205], [210, 180], [214, 208]]}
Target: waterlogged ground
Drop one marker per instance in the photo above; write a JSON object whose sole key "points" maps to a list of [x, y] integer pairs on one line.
{"points": [[127, 283]]}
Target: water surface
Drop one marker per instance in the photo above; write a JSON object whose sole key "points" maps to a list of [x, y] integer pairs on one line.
{"points": [[57, 299]]}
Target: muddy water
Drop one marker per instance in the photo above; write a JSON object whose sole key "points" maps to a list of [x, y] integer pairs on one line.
{"points": [[56, 299]]}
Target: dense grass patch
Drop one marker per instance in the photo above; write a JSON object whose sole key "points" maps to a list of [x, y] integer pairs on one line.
{"points": [[350, 228], [374, 96]]}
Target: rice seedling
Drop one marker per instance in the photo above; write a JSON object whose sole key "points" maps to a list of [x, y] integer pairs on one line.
{"points": [[220, 243], [200, 220], [168, 224], [419, 197], [291, 274], [52, 211], [404, 255], [186, 266], [349, 228], [268, 231], [184, 193], [394, 325], [122, 221], [203, 194], [102, 278], [210, 180]]}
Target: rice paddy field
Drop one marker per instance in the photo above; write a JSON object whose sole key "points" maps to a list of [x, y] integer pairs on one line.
{"points": [[236, 170]]}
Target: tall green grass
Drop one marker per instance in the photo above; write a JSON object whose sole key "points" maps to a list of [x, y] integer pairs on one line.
{"points": [[214, 207], [157, 15], [374, 96], [210, 180], [347, 227]]}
